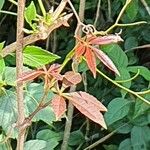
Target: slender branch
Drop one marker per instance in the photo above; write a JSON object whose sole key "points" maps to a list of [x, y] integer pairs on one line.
{"points": [[109, 10], [97, 12], [146, 6], [128, 80], [101, 140], [80, 18], [42, 7], [124, 88], [8, 12], [19, 70]]}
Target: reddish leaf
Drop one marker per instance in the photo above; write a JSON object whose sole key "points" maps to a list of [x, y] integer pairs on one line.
{"points": [[79, 51], [88, 106], [28, 76], [108, 39], [105, 60], [54, 71], [91, 99], [59, 106], [72, 78], [91, 61]]}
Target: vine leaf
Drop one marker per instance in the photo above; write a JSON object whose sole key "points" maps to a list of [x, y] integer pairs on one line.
{"points": [[88, 105], [91, 61], [59, 106], [30, 75], [87, 46], [71, 78]]}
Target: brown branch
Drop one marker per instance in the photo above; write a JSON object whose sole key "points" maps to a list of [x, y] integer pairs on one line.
{"points": [[100, 140], [37, 36], [78, 31], [19, 70]]}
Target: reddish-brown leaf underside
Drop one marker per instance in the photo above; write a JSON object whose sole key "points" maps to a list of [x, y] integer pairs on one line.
{"points": [[88, 107], [108, 39], [105, 60], [59, 106], [54, 71], [91, 99], [79, 51], [91, 60], [71, 78], [28, 76]]}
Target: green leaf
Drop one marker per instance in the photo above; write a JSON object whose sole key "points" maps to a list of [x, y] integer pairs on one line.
{"points": [[141, 107], [110, 147], [2, 66], [8, 111], [144, 72], [122, 126], [10, 75], [1, 46], [140, 138], [130, 42], [49, 135], [117, 109], [132, 10], [37, 57], [125, 145], [76, 138], [51, 144], [35, 145], [116, 54], [33, 95], [30, 13], [124, 75], [141, 120], [1, 4]]}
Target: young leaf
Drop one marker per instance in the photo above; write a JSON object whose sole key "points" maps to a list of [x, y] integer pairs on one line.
{"points": [[90, 109], [108, 39], [37, 57], [71, 78], [79, 51], [91, 61], [30, 13], [105, 60], [59, 106], [28, 76]]}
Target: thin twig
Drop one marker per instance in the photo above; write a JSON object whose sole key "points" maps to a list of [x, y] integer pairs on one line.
{"points": [[80, 18], [146, 6], [101, 140], [19, 70], [97, 12]]}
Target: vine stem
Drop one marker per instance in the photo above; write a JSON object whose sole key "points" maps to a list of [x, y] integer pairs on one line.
{"points": [[124, 88], [68, 125], [116, 24], [19, 71]]}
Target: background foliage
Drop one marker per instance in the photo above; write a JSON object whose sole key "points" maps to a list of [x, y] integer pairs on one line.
{"points": [[128, 117]]}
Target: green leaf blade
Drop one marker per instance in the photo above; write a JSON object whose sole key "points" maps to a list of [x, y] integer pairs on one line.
{"points": [[37, 57], [118, 108]]}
